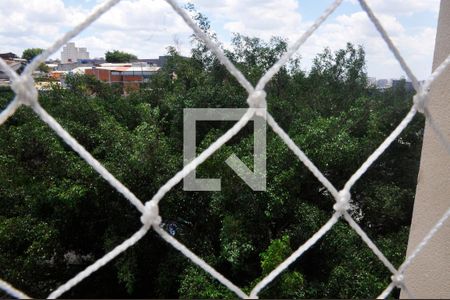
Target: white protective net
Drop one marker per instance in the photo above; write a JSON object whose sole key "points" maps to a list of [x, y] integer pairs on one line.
{"points": [[26, 94]]}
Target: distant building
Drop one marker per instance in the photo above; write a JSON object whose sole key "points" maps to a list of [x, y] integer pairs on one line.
{"points": [[83, 53], [13, 61], [384, 83], [81, 63], [57, 75], [15, 65], [156, 62], [407, 85], [130, 76], [371, 81], [8, 56], [52, 67], [93, 61], [72, 54]]}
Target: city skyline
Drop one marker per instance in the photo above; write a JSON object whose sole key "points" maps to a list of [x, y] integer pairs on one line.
{"points": [[146, 28], [70, 53]]}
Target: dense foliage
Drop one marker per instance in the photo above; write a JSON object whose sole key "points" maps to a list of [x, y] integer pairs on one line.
{"points": [[31, 53], [57, 215], [117, 56]]}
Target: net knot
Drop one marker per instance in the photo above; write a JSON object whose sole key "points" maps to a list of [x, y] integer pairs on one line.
{"points": [[398, 279], [420, 100], [151, 215], [25, 90], [342, 202], [257, 99]]}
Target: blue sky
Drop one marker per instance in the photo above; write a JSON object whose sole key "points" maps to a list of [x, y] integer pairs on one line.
{"points": [[147, 27]]}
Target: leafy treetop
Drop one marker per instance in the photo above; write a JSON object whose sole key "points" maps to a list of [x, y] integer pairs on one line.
{"points": [[116, 56], [55, 221], [31, 53]]}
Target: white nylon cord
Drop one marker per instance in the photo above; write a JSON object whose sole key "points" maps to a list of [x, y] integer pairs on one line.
{"points": [[26, 94]]}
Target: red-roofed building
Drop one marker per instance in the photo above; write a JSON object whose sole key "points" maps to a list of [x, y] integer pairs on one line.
{"points": [[131, 77]]}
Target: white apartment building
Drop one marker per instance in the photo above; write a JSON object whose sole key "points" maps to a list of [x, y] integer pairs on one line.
{"points": [[71, 53], [83, 53]]}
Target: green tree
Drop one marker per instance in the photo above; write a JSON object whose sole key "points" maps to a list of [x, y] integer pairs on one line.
{"points": [[44, 68], [31, 53], [116, 56], [56, 221]]}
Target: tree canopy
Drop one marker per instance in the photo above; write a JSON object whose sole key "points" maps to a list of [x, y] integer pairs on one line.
{"points": [[55, 221], [116, 56], [31, 53]]}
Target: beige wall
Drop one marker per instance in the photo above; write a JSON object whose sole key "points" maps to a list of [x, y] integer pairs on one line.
{"points": [[429, 274]]}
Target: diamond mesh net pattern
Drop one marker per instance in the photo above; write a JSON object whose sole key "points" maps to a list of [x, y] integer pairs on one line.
{"points": [[26, 94]]}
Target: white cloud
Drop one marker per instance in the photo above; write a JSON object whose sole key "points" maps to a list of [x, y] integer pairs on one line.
{"points": [[147, 27], [21, 16], [266, 18], [262, 18], [402, 7], [142, 27], [34, 23], [415, 44]]}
